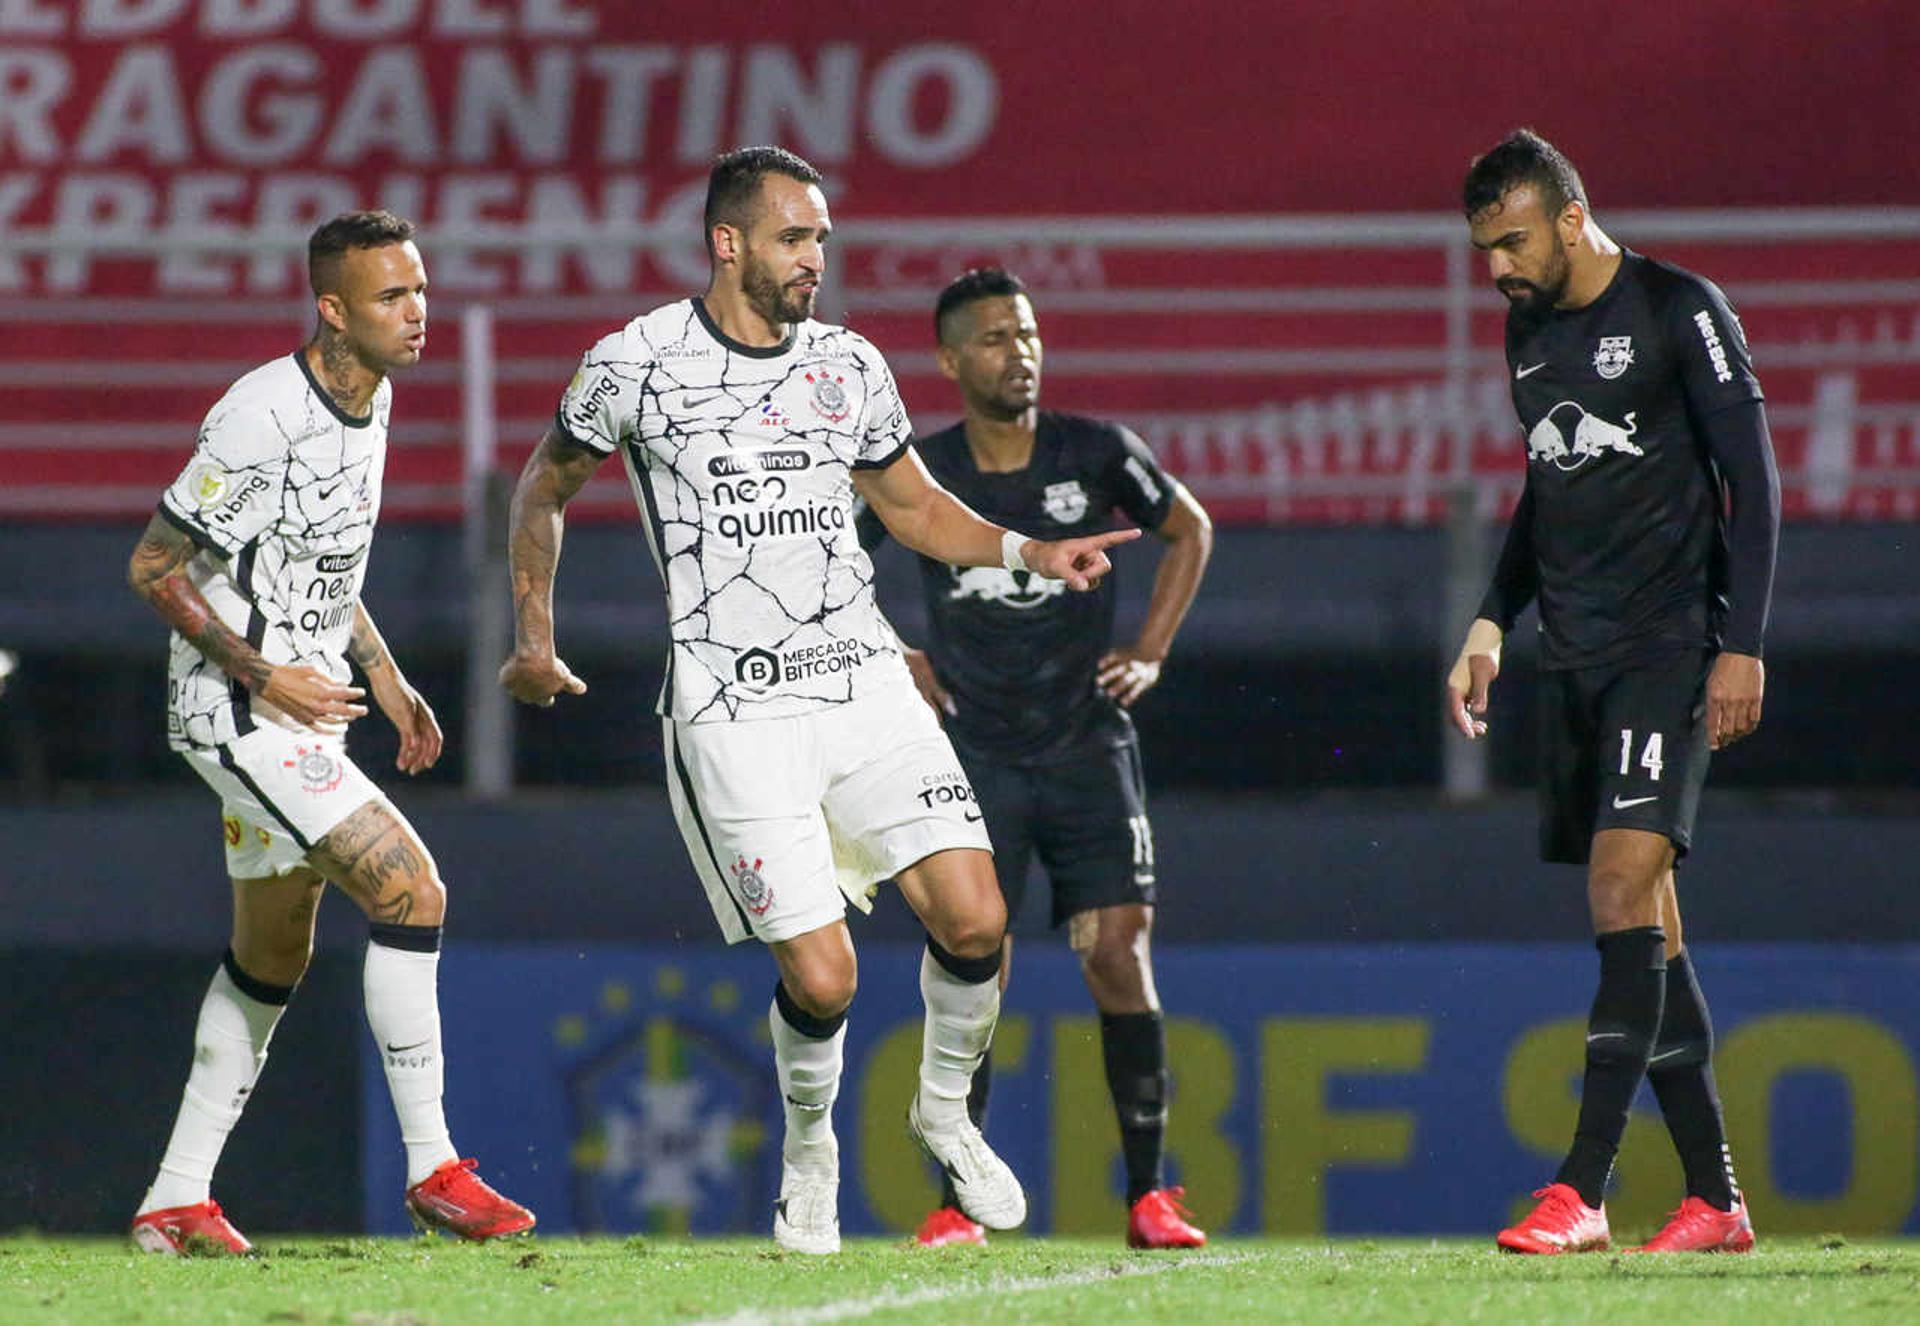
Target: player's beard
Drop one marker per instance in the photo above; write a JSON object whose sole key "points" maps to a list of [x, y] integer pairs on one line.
{"points": [[776, 303], [1532, 299]]}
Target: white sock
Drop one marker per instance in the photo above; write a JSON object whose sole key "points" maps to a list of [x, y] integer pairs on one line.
{"points": [[229, 1050], [809, 1070], [403, 1009], [960, 1018]]}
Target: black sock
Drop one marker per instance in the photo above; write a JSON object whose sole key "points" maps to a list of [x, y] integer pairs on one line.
{"points": [[1620, 1035], [1681, 1072], [1135, 1045], [977, 1094]]}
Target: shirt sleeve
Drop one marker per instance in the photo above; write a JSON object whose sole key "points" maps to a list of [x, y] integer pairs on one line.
{"points": [[1141, 488], [1716, 369], [885, 430], [1516, 576], [1742, 450], [230, 492], [600, 408]]}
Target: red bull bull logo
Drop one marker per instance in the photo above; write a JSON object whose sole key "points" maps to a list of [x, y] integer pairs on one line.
{"points": [[1591, 437]]}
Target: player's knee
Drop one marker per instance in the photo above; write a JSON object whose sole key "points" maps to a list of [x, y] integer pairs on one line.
{"points": [[1114, 968], [1622, 898], [823, 991], [975, 936], [281, 961], [428, 898]]}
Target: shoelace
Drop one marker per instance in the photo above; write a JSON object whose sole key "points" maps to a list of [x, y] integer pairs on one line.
{"points": [[1560, 1202]]}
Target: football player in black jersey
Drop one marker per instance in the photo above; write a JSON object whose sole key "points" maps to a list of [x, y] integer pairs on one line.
{"points": [[1035, 697], [1646, 532]]}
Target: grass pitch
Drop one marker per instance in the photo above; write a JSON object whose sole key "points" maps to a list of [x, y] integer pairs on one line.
{"points": [[379, 1282]]}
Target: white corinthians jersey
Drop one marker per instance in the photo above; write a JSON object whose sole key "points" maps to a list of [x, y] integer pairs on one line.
{"points": [[281, 497], [741, 459]]}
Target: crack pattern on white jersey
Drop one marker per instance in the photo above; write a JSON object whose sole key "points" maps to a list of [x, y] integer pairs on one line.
{"points": [[742, 464], [281, 494]]}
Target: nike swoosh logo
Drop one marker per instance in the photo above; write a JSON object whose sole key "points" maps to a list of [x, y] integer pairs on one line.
{"points": [[1519, 373], [1618, 804], [1606, 1036], [325, 493], [402, 1049], [1667, 1055], [973, 817], [690, 402]]}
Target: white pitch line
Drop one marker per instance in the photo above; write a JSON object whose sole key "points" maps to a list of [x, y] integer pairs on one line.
{"points": [[851, 1308]]}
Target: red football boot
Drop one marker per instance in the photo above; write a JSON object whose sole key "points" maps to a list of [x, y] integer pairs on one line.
{"points": [[1561, 1223], [455, 1199], [190, 1231], [949, 1224], [1160, 1220], [1700, 1226]]}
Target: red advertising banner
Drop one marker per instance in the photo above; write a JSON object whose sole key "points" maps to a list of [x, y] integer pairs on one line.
{"points": [[162, 160]]}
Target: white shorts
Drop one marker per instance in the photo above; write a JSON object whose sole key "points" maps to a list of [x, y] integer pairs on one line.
{"points": [[786, 819], [280, 793]]}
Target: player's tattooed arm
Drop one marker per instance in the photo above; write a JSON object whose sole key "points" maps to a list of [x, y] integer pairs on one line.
{"points": [[367, 648], [413, 718], [536, 523], [157, 572]]}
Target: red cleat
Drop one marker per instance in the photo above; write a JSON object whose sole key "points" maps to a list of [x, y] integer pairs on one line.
{"points": [[1160, 1220], [1700, 1226], [1561, 1223], [455, 1199], [190, 1231], [949, 1225]]}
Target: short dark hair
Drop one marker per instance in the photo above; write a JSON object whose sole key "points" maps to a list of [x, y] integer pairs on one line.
{"points": [[1522, 157], [971, 286], [350, 230], [733, 185]]}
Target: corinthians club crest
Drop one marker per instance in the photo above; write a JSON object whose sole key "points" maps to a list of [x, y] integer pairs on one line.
{"points": [[829, 396], [1613, 357], [754, 889]]}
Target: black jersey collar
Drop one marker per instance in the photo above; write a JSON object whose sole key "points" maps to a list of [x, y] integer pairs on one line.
{"points": [[333, 406], [750, 351]]}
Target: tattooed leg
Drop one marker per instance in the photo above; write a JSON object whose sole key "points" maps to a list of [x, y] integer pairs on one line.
{"points": [[376, 858]]}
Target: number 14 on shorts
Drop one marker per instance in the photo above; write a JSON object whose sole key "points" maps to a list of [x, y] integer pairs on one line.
{"points": [[1650, 758]]}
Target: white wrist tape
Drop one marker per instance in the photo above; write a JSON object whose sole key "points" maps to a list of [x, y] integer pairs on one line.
{"points": [[1010, 544], [1483, 637]]}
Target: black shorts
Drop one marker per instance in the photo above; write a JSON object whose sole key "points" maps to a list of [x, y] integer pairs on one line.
{"points": [[1622, 747], [1086, 817]]}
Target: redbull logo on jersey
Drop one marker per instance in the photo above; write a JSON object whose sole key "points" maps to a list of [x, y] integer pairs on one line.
{"points": [[1065, 502], [1592, 437], [996, 584], [1613, 357]]}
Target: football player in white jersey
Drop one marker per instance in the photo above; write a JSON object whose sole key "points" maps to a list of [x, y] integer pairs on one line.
{"points": [[802, 767], [256, 558]]}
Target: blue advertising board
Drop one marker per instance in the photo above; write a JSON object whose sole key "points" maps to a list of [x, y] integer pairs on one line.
{"points": [[1344, 1090]]}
